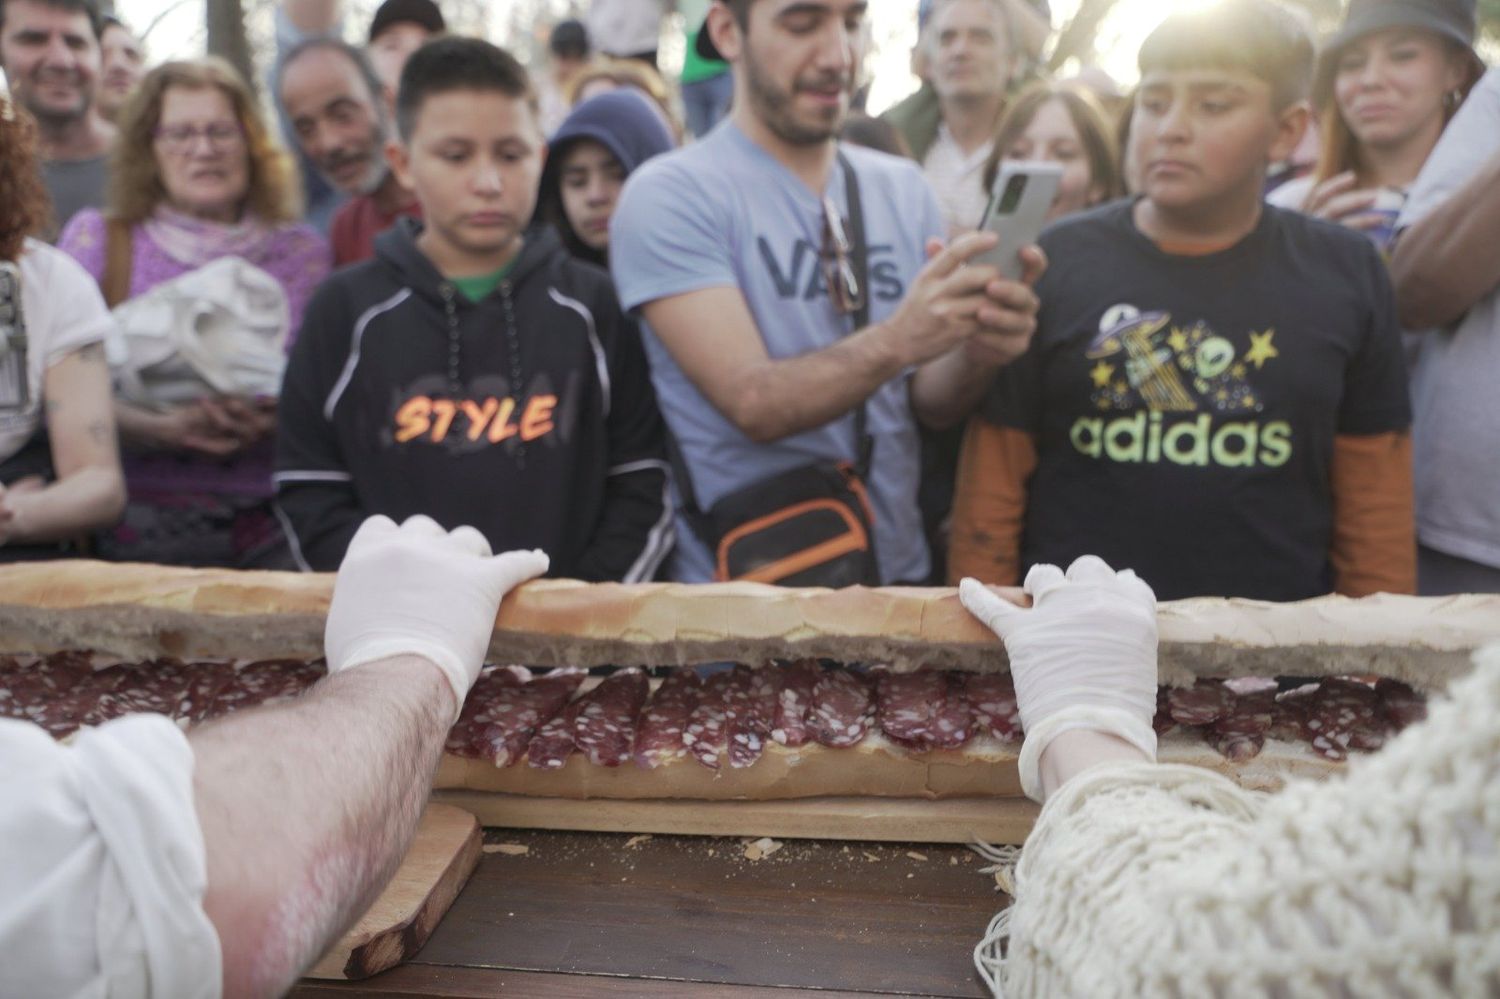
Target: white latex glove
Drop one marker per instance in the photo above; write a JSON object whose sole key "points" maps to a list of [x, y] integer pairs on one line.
{"points": [[420, 590], [1083, 656]]}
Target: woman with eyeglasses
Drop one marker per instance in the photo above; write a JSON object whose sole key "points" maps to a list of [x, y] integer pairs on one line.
{"points": [[1387, 83], [203, 221], [59, 462]]}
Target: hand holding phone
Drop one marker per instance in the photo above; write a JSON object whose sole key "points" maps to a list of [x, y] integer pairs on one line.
{"points": [[1017, 211]]}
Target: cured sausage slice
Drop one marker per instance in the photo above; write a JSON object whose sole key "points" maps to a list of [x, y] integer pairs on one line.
{"points": [[923, 710], [605, 730], [707, 733], [842, 709], [752, 712], [658, 736], [794, 701], [520, 709], [992, 699]]}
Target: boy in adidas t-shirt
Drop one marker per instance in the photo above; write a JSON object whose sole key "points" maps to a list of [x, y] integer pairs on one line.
{"points": [[1215, 396]]}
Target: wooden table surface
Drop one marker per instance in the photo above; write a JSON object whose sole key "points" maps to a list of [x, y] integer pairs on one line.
{"points": [[593, 914]]}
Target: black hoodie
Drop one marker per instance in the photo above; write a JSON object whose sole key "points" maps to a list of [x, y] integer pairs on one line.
{"points": [[528, 415]]}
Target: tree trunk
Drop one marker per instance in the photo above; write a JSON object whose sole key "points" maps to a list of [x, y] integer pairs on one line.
{"points": [[227, 39], [1078, 37]]}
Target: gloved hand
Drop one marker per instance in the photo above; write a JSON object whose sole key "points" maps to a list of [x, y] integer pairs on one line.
{"points": [[1083, 656], [420, 590]]}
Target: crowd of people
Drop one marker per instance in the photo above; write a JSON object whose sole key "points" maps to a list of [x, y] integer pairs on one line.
{"points": [[704, 333], [733, 328], [1257, 442]]}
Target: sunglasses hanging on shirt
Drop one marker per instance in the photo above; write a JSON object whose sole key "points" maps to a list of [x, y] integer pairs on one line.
{"points": [[15, 386], [838, 262]]}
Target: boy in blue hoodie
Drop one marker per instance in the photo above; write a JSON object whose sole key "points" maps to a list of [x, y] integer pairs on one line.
{"points": [[595, 148], [473, 371]]}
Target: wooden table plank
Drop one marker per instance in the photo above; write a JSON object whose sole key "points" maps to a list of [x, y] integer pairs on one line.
{"points": [[812, 915], [419, 981]]}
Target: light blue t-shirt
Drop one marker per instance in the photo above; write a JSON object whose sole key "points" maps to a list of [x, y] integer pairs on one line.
{"points": [[724, 212]]}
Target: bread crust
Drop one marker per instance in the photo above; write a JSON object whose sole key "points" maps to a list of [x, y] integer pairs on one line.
{"points": [[983, 768], [143, 611]]}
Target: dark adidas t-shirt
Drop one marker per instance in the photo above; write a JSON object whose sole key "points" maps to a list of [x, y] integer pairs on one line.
{"points": [[1185, 408]]}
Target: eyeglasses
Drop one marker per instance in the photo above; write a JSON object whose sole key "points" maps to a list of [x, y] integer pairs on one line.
{"points": [[180, 138], [838, 265]]}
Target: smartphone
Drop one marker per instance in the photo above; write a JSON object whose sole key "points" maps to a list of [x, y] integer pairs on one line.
{"points": [[1017, 210]]}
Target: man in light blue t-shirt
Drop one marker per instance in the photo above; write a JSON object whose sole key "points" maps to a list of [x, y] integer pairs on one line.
{"points": [[720, 249]]}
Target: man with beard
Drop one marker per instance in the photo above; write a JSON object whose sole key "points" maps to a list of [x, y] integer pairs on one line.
{"points": [[738, 254], [49, 50], [332, 99]]}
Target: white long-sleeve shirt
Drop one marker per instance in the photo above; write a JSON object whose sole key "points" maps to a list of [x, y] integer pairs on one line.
{"points": [[102, 868], [1154, 880]]}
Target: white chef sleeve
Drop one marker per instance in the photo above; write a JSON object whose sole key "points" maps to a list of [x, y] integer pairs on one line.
{"points": [[102, 868]]}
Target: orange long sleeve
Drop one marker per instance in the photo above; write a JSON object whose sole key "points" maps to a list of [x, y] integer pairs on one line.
{"points": [[989, 503], [1374, 515]]}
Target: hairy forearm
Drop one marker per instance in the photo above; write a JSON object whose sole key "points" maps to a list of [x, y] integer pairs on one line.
{"points": [[307, 809], [945, 390], [1446, 263], [87, 499], [779, 398]]}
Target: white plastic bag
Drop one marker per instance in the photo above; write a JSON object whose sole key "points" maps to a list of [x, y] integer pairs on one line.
{"points": [[217, 330]]}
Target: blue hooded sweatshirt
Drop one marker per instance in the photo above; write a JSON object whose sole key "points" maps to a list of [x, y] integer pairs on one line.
{"points": [[625, 122]]}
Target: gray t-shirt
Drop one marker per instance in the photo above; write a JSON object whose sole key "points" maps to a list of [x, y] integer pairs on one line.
{"points": [[74, 184], [724, 213], [1456, 423]]}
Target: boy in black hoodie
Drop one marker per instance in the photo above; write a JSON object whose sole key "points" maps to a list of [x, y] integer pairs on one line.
{"points": [[473, 371]]}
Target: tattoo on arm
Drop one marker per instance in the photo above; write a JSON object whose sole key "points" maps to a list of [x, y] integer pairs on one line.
{"points": [[101, 433]]}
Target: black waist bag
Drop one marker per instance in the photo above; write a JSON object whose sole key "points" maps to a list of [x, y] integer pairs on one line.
{"points": [[808, 526]]}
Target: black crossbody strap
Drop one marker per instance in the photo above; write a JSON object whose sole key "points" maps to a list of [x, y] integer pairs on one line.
{"points": [[860, 260]]}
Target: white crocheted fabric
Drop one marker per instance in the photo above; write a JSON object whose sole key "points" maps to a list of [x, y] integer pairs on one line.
{"points": [[1154, 880]]}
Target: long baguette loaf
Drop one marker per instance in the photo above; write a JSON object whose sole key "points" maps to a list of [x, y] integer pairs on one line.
{"points": [[143, 611], [874, 768]]}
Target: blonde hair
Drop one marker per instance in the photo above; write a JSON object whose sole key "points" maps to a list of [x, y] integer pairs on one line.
{"points": [[135, 186], [627, 73]]}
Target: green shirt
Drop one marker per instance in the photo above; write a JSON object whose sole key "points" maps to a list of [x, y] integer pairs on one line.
{"points": [[695, 68], [479, 287]]}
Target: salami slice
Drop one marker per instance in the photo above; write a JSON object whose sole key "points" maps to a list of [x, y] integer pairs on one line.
{"points": [[923, 710], [1349, 713], [794, 701], [992, 699], [707, 733], [1201, 704], [1240, 732], [1163, 722], [553, 742], [517, 710], [1400, 705], [658, 737], [753, 713], [605, 730], [466, 737], [842, 709], [267, 682]]}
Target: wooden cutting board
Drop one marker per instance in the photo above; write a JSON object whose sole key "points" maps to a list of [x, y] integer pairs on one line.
{"points": [[443, 855]]}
